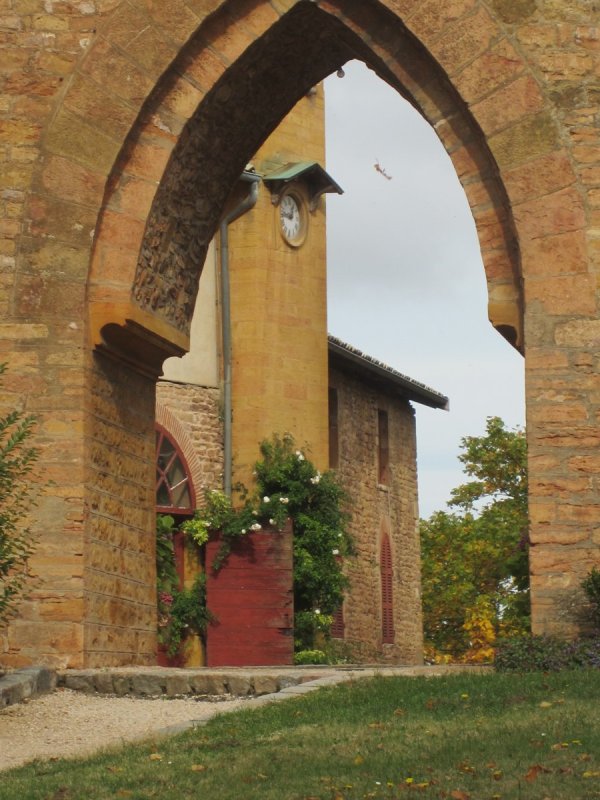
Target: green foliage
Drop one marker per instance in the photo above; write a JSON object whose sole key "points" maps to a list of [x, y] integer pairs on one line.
{"points": [[180, 611], [290, 485], [310, 657], [481, 549], [546, 654], [218, 514], [591, 588], [17, 458], [166, 572]]}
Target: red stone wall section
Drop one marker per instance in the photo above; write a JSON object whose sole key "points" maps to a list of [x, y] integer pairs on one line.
{"points": [[252, 599], [380, 511]]}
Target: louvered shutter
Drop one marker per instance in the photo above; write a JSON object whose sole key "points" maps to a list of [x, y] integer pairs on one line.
{"points": [[337, 628], [387, 592]]}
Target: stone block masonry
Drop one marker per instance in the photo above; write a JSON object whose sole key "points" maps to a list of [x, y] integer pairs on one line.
{"points": [[379, 510], [98, 97]]}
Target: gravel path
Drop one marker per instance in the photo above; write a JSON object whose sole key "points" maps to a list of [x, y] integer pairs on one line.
{"points": [[66, 723]]}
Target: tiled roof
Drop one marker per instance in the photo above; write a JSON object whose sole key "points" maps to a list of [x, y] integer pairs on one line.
{"points": [[411, 389]]}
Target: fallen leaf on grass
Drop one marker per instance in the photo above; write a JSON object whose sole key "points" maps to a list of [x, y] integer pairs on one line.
{"points": [[124, 793], [584, 757], [376, 725], [534, 771], [198, 768], [457, 794], [566, 770], [115, 769], [545, 704], [560, 746], [591, 774], [359, 760], [464, 766], [398, 712], [155, 757]]}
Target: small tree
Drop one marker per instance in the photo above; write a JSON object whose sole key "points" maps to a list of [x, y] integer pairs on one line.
{"points": [[475, 560], [16, 542]]}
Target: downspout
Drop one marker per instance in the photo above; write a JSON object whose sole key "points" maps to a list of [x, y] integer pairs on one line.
{"points": [[246, 204]]}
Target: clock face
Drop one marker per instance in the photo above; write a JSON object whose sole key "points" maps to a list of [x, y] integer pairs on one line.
{"points": [[292, 219]]}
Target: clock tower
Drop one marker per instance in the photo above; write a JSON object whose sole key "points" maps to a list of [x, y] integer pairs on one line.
{"points": [[278, 286]]}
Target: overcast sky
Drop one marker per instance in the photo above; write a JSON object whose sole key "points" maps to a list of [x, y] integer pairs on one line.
{"points": [[406, 282]]}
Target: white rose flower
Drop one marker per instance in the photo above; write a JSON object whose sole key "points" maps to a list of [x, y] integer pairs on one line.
{"points": [[335, 552], [256, 527], [266, 499]]}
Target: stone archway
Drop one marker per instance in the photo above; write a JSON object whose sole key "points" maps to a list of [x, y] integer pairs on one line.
{"points": [[141, 149]]}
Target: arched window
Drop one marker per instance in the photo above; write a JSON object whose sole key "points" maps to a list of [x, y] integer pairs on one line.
{"points": [[387, 591], [174, 489]]}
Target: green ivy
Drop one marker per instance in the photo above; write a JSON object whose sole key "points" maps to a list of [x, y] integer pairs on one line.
{"points": [[180, 611], [288, 486], [317, 505]]}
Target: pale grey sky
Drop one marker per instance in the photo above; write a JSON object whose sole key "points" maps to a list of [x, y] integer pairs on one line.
{"points": [[406, 282]]}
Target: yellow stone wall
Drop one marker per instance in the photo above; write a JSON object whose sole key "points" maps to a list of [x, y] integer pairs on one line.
{"points": [[279, 308]]}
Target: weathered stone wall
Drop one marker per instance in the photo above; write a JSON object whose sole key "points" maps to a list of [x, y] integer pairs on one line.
{"points": [[192, 414], [103, 105], [376, 510], [120, 542]]}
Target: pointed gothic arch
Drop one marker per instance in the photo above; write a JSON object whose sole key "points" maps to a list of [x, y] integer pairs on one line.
{"points": [[164, 98]]}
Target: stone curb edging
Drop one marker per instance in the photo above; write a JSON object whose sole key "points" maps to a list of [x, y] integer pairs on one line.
{"points": [[259, 685], [25, 683], [165, 682]]}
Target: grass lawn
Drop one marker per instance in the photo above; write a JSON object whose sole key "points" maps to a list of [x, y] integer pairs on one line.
{"points": [[483, 737]]}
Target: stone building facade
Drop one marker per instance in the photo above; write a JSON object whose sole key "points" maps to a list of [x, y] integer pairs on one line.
{"points": [[373, 448], [124, 127], [287, 376]]}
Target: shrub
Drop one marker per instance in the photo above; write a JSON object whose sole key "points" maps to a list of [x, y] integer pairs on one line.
{"points": [[591, 588], [310, 657], [16, 541], [288, 486], [546, 654], [180, 611]]}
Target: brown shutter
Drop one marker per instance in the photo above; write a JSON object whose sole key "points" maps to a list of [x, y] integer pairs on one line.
{"points": [[387, 591], [383, 448], [337, 628]]}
